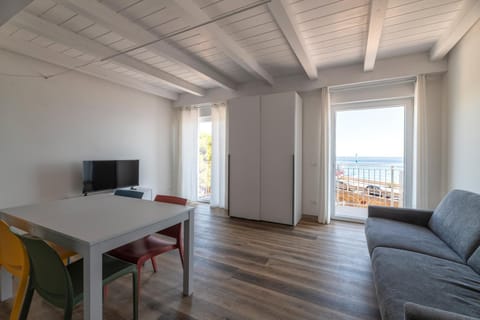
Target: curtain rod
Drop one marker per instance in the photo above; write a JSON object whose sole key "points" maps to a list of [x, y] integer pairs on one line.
{"points": [[373, 83], [203, 105]]}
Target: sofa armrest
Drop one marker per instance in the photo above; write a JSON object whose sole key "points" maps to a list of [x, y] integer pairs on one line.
{"points": [[415, 311], [413, 216]]}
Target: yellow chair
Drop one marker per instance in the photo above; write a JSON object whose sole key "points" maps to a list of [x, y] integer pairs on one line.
{"points": [[14, 259]]}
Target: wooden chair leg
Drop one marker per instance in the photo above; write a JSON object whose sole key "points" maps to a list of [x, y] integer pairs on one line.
{"points": [[154, 264], [139, 273], [180, 250]]}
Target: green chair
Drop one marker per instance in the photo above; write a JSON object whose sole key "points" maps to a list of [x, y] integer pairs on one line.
{"points": [[61, 285]]}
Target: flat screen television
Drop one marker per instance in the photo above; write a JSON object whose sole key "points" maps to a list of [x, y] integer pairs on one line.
{"points": [[101, 175]]}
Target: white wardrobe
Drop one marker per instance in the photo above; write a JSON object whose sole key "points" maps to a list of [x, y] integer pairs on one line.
{"points": [[265, 157]]}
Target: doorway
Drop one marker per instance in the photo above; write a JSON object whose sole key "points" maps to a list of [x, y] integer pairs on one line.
{"points": [[371, 157], [204, 156]]}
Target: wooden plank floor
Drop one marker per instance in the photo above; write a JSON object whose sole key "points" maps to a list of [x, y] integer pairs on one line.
{"points": [[251, 270]]}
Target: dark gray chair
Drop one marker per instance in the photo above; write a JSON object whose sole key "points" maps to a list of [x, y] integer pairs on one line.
{"points": [[129, 193]]}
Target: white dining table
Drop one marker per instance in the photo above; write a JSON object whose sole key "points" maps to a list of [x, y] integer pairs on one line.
{"points": [[93, 225]]}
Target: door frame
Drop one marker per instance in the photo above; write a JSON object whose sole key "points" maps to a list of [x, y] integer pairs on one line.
{"points": [[407, 104]]}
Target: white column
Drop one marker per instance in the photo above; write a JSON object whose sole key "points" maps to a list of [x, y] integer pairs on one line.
{"points": [[92, 285]]}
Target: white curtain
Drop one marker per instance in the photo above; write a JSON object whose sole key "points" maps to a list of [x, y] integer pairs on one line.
{"points": [[218, 183], [325, 152], [187, 153], [420, 146]]}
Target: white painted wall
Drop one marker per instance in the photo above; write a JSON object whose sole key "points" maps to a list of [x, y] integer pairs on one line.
{"points": [[463, 135], [47, 127], [436, 148], [311, 152]]}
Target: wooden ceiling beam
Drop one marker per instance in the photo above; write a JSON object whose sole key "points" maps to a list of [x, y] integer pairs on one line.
{"points": [[375, 28], [460, 26], [194, 15], [124, 27], [285, 20], [30, 49], [61, 35]]}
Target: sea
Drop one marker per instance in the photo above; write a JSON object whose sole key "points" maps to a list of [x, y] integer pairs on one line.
{"points": [[371, 168]]}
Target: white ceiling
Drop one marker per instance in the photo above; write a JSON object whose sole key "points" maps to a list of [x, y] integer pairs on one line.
{"points": [[271, 40]]}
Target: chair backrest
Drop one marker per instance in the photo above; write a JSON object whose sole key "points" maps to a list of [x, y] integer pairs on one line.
{"points": [[171, 199], [129, 193], [176, 230], [49, 276], [13, 256]]}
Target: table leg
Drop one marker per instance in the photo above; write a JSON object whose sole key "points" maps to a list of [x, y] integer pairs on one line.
{"points": [[92, 286], [188, 235], [6, 285]]}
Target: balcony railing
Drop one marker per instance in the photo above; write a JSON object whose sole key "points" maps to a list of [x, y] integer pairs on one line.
{"points": [[204, 193], [363, 186]]}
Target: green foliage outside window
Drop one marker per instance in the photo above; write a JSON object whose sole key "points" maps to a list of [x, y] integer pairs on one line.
{"points": [[204, 164]]}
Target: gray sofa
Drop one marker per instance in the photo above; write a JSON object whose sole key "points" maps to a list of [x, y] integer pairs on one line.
{"points": [[426, 264]]}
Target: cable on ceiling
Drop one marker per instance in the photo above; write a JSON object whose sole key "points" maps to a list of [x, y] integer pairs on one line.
{"points": [[176, 33], [165, 37]]}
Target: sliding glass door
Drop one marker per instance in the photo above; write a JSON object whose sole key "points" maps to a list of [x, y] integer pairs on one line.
{"points": [[371, 158]]}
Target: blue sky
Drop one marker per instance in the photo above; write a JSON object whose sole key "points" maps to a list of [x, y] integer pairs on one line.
{"points": [[370, 132]]}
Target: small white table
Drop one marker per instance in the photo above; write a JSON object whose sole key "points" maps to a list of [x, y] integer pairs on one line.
{"points": [[94, 225]]}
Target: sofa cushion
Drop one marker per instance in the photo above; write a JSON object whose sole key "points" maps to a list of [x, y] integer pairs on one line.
{"points": [[394, 234], [415, 311], [474, 260], [456, 221], [404, 276]]}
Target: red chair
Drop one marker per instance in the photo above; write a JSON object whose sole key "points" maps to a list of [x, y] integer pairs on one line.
{"points": [[148, 248]]}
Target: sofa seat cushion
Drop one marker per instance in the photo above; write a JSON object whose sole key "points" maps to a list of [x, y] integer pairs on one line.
{"points": [[394, 234], [403, 276]]}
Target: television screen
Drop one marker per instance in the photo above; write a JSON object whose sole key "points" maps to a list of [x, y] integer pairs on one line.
{"points": [[109, 174]]}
